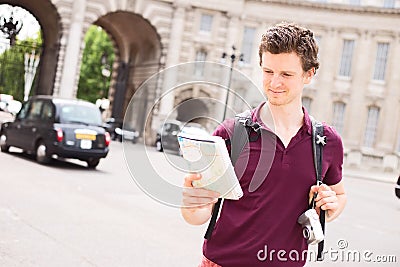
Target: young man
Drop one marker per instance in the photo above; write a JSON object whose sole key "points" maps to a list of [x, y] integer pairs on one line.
{"points": [[261, 228]]}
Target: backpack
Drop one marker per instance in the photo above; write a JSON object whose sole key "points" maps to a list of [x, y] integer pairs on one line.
{"points": [[242, 133]]}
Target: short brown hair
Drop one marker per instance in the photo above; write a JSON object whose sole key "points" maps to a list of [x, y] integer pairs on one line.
{"points": [[287, 38]]}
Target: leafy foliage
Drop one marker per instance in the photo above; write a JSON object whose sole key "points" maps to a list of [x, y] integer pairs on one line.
{"points": [[12, 62], [92, 83], [97, 56]]}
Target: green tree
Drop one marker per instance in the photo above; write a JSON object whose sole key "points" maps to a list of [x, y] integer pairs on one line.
{"points": [[92, 83], [12, 65]]}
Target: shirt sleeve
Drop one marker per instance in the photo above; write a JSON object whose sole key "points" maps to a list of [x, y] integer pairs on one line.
{"points": [[225, 130], [332, 156]]}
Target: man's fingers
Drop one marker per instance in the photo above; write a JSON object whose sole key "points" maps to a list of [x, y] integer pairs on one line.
{"points": [[324, 187], [198, 197], [200, 193], [198, 202], [189, 178], [313, 190], [325, 194], [192, 197], [327, 202], [332, 206]]}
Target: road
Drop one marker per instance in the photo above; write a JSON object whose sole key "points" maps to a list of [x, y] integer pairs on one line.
{"points": [[67, 215]]}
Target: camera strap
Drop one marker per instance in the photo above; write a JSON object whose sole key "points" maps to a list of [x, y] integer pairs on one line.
{"points": [[319, 140]]}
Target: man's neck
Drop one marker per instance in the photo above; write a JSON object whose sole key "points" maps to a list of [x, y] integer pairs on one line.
{"points": [[282, 117]]}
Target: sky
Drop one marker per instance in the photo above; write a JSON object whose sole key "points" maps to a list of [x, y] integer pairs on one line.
{"points": [[30, 25]]}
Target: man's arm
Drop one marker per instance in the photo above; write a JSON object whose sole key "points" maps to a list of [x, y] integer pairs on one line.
{"points": [[197, 203], [330, 198]]}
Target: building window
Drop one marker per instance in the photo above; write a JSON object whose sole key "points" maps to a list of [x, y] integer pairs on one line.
{"points": [[206, 23], [380, 62], [201, 56], [355, 2], [389, 3], [347, 55], [306, 103], [247, 43], [339, 109], [372, 125]]}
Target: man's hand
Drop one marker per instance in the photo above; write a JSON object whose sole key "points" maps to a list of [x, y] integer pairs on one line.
{"points": [[332, 199], [197, 197], [197, 203]]}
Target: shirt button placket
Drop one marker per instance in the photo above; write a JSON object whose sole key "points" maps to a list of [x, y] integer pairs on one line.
{"points": [[285, 159]]}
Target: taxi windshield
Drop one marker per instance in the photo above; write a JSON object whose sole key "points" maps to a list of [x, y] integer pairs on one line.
{"points": [[80, 115]]}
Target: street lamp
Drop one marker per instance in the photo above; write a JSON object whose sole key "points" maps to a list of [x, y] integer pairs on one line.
{"points": [[31, 63], [104, 103], [10, 28], [105, 69], [233, 57]]}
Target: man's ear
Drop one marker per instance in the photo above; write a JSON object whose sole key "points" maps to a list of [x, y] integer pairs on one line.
{"points": [[309, 75]]}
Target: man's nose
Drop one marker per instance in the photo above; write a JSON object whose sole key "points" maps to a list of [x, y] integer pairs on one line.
{"points": [[276, 81]]}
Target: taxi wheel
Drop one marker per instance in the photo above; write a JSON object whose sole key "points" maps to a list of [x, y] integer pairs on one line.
{"points": [[92, 163], [41, 153], [159, 146], [3, 143]]}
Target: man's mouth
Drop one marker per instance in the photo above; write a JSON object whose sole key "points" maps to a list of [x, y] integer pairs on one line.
{"points": [[276, 92]]}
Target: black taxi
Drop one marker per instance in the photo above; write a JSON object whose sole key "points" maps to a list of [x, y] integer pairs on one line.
{"points": [[50, 127]]}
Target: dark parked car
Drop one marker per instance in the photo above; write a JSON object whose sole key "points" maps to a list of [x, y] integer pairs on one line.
{"points": [[117, 132], [167, 134], [47, 126]]}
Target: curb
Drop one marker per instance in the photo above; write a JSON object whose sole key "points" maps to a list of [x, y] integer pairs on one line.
{"points": [[384, 177]]}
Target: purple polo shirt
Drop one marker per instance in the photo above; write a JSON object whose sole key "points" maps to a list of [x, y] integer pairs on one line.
{"points": [[261, 228]]}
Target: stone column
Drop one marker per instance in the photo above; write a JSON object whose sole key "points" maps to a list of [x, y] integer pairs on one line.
{"points": [[356, 111], [390, 114], [70, 66], [174, 49], [232, 32], [324, 81]]}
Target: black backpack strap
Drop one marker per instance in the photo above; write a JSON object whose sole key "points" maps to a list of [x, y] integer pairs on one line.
{"points": [[319, 140], [241, 135], [213, 220]]}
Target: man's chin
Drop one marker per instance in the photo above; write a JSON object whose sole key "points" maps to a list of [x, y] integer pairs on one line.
{"points": [[275, 103]]}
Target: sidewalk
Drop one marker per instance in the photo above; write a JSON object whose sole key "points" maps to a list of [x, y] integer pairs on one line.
{"points": [[386, 177]]}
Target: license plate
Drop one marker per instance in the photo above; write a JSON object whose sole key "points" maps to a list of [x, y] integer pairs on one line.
{"points": [[86, 144], [85, 136]]}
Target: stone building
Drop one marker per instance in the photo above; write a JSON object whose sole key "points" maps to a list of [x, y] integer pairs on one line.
{"points": [[356, 88]]}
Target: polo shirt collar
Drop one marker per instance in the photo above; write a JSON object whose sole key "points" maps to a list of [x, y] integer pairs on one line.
{"points": [[306, 125], [307, 121]]}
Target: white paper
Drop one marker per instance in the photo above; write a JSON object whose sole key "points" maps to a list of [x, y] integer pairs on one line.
{"points": [[208, 155]]}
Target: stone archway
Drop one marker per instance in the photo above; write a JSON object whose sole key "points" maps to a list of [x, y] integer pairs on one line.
{"points": [[193, 105], [138, 56], [47, 16]]}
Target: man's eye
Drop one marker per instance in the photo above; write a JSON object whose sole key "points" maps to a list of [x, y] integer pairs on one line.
{"points": [[287, 75], [268, 71]]}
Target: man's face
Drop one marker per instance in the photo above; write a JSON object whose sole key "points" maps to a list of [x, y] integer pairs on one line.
{"points": [[284, 78]]}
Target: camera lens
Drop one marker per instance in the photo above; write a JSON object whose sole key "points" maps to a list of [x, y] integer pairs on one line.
{"points": [[306, 233]]}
